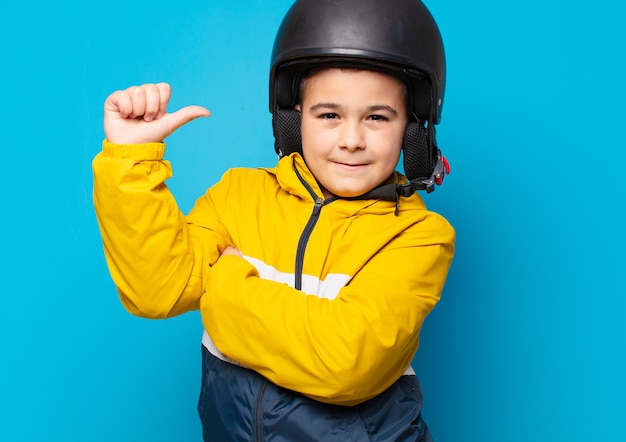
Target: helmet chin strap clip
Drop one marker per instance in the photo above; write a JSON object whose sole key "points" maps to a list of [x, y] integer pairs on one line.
{"points": [[441, 169]]}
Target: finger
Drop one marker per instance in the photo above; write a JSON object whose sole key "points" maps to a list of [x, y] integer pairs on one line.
{"points": [[119, 102], [138, 98], [165, 92], [185, 115], [152, 95], [230, 250]]}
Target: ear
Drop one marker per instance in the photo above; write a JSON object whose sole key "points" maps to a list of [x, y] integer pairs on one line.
{"points": [[298, 108]]}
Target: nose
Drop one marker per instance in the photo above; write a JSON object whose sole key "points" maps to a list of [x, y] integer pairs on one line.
{"points": [[352, 136]]}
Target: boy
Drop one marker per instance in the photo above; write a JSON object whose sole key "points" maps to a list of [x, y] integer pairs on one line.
{"points": [[314, 277]]}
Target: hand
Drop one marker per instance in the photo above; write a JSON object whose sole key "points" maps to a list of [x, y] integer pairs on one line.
{"points": [[230, 250], [138, 114]]}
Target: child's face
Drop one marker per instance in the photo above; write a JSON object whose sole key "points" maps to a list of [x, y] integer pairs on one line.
{"points": [[353, 123]]}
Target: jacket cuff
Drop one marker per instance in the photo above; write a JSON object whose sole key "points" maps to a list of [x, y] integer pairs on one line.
{"points": [[145, 151]]}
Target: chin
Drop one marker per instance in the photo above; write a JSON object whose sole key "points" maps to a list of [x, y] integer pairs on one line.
{"points": [[349, 193]]}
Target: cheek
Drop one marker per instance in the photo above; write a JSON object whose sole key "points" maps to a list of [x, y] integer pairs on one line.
{"points": [[392, 161], [315, 140], [390, 143], [310, 147], [390, 154], [306, 132]]}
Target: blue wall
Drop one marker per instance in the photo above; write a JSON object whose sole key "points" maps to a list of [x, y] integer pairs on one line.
{"points": [[528, 342]]}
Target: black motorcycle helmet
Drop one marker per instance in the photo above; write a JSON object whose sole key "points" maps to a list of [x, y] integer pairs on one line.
{"points": [[399, 37]]}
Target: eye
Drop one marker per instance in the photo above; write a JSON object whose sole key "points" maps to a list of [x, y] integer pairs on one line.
{"points": [[329, 116], [377, 117]]}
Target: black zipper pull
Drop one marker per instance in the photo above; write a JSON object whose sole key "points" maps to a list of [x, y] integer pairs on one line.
{"points": [[318, 206]]}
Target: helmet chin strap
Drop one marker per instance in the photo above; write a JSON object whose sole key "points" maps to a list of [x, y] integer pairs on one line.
{"points": [[393, 191]]}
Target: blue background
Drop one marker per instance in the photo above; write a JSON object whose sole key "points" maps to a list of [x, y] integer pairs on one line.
{"points": [[528, 342]]}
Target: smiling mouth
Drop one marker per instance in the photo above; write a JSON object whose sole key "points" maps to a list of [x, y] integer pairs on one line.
{"points": [[339, 163]]}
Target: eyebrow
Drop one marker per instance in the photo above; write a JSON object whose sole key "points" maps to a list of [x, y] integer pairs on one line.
{"points": [[373, 108]]}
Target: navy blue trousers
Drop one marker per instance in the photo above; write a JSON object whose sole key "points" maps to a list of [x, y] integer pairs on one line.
{"points": [[237, 404]]}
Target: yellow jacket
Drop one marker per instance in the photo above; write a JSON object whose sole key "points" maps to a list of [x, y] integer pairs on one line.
{"points": [[329, 297]]}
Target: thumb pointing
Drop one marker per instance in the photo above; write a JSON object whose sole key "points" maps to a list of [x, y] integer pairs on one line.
{"points": [[185, 115]]}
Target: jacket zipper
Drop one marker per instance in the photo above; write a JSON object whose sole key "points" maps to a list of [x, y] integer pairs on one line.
{"points": [[304, 239], [258, 414], [308, 229]]}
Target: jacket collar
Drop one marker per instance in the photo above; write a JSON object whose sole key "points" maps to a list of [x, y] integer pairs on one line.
{"points": [[294, 177]]}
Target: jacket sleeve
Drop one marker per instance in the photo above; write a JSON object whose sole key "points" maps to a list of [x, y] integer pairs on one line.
{"points": [[342, 351], [156, 259]]}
